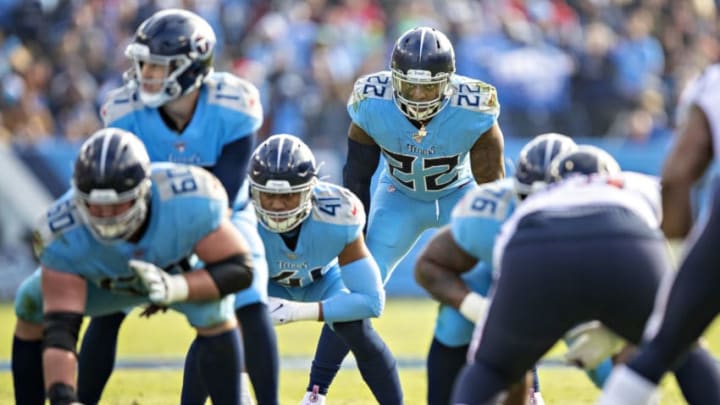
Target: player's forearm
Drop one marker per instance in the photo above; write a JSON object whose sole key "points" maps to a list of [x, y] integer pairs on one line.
{"points": [[361, 163], [353, 306], [221, 278], [677, 210], [443, 285], [487, 158]]}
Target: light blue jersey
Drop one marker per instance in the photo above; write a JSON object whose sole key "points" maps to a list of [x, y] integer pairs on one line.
{"points": [[187, 203], [310, 272], [227, 109], [425, 167], [478, 217], [475, 222], [424, 177]]}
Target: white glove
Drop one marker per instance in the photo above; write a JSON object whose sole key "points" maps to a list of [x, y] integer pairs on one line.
{"points": [[163, 288], [590, 343], [284, 311]]}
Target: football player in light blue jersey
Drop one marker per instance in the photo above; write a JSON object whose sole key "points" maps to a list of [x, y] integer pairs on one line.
{"points": [[439, 135], [185, 112], [103, 247], [447, 267], [320, 268]]}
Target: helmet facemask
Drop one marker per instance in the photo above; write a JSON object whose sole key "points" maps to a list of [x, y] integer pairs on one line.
{"points": [[282, 221], [169, 86], [121, 226], [406, 84]]}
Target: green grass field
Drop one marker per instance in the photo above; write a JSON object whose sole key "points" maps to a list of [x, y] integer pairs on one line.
{"points": [[406, 326]]}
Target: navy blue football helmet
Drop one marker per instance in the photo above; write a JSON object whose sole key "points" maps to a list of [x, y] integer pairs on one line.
{"points": [[535, 158], [584, 160], [422, 65], [113, 167], [181, 41], [283, 164]]}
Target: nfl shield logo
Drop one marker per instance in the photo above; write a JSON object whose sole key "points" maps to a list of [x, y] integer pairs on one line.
{"points": [[180, 147]]}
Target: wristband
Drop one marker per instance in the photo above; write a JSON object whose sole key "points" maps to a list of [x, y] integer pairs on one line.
{"points": [[472, 306]]}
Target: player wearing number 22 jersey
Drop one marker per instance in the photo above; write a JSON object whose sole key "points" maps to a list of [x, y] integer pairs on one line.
{"points": [[439, 136]]}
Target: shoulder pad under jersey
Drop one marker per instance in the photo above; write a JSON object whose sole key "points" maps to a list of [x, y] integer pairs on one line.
{"points": [[475, 95], [337, 205], [490, 200], [119, 103], [180, 180], [61, 217], [373, 86], [234, 93]]}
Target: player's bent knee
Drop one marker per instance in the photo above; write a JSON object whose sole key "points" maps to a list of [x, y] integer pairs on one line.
{"points": [[61, 330], [26, 330]]}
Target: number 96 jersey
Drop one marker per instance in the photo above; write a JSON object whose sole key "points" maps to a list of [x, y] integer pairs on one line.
{"points": [[431, 162], [186, 204], [479, 215], [337, 218]]}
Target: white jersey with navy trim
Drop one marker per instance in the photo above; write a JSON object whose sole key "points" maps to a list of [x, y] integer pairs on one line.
{"points": [[639, 193]]}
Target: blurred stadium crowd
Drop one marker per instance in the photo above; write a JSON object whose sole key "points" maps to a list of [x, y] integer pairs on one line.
{"points": [[588, 68]]}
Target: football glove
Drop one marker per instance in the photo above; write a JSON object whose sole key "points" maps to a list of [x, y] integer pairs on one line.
{"points": [[590, 343], [284, 311], [163, 288]]}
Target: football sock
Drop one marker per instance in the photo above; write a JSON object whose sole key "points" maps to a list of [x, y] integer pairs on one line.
{"points": [[329, 354], [376, 363], [213, 363], [261, 356], [27, 372], [96, 359], [443, 365]]}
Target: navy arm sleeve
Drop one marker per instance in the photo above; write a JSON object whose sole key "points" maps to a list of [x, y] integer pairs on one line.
{"points": [[232, 164], [362, 160]]}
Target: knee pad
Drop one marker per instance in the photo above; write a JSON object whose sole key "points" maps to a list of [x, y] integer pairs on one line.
{"points": [[28, 300]]}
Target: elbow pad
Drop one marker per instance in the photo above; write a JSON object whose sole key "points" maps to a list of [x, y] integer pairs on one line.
{"points": [[232, 274], [362, 160], [60, 330]]}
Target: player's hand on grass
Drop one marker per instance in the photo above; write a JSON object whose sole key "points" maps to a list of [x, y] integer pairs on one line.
{"points": [[590, 343]]}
